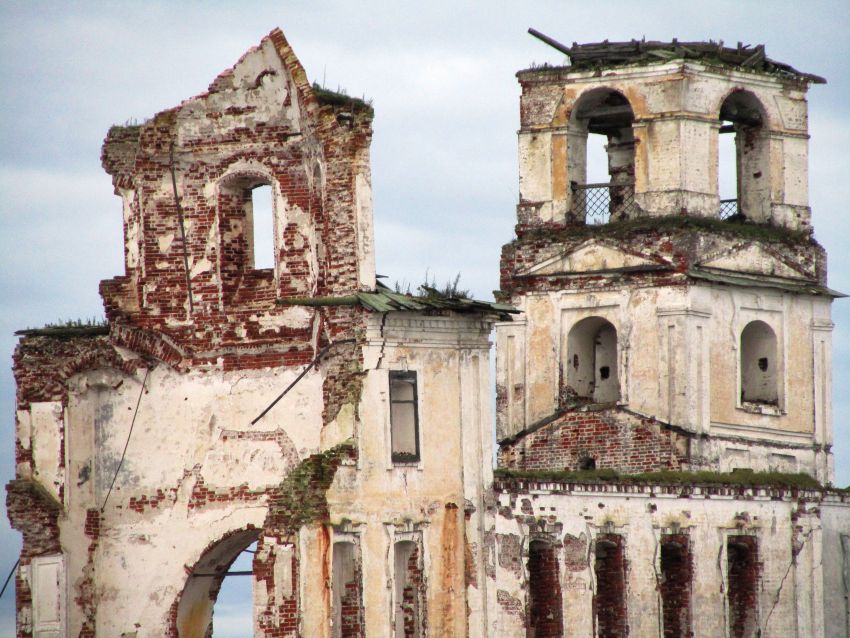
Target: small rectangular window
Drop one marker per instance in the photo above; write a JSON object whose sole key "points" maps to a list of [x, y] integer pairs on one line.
{"points": [[404, 418]]}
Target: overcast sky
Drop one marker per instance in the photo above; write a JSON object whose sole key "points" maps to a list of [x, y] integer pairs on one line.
{"points": [[442, 83]]}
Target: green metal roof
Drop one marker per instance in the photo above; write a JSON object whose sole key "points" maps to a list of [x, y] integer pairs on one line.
{"points": [[383, 299]]}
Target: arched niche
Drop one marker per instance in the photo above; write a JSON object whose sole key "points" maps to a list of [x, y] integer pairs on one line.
{"points": [[759, 364], [545, 604], [591, 363]]}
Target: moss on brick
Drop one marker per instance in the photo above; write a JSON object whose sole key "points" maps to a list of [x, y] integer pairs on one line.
{"points": [[673, 223], [670, 477], [301, 498]]}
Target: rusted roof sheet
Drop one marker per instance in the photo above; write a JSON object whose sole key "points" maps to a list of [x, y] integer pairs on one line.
{"points": [[609, 54]]}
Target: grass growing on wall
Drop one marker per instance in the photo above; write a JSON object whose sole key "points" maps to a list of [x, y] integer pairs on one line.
{"points": [[669, 477]]}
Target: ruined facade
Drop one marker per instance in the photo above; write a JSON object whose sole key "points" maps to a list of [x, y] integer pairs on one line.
{"points": [[151, 453], [667, 334], [344, 429]]}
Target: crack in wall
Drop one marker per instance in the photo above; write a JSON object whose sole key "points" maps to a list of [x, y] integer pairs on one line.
{"points": [[794, 553]]}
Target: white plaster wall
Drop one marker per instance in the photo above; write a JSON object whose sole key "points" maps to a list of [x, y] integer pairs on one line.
{"points": [[835, 562], [427, 500], [40, 429], [641, 515], [185, 431], [676, 107], [679, 360]]}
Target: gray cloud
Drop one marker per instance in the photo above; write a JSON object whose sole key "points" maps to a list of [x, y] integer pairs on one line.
{"points": [[444, 151]]}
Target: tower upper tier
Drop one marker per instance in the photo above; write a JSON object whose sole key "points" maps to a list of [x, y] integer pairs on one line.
{"points": [[661, 109]]}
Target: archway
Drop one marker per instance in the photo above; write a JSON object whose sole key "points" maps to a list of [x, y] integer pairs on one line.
{"points": [[195, 609], [602, 156], [743, 166]]}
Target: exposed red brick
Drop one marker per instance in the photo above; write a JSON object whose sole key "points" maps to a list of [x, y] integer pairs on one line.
{"points": [[545, 615], [610, 600], [743, 577], [675, 586], [611, 437]]}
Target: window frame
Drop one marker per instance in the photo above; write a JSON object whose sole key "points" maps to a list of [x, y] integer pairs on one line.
{"points": [[397, 458]]}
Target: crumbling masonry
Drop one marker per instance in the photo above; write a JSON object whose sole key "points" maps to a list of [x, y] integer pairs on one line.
{"points": [[647, 343]]}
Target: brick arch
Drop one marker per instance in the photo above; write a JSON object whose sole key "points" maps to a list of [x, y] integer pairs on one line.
{"points": [[191, 614], [43, 365], [149, 344], [241, 169]]}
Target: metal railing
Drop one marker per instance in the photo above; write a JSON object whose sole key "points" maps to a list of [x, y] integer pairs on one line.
{"points": [[728, 208], [598, 202]]}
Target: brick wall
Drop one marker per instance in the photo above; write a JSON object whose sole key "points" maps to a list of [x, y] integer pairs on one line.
{"points": [[610, 438], [610, 599], [225, 142], [279, 618], [351, 608], [675, 586], [743, 577], [410, 603], [545, 615]]}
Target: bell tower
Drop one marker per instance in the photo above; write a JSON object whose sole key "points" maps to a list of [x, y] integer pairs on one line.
{"points": [[667, 325]]}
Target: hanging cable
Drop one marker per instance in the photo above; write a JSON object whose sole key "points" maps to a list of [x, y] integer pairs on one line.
{"points": [[9, 577], [301, 376], [129, 434]]}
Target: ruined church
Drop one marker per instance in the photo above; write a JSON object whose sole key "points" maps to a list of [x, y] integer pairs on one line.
{"points": [[663, 368]]}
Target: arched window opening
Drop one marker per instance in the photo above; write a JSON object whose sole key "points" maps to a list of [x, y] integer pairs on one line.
{"points": [[610, 599], [217, 599], [409, 591], [602, 157], [759, 364], [262, 228], [545, 613], [675, 586], [591, 362], [742, 161], [347, 592], [742, 573], [246, 225]]}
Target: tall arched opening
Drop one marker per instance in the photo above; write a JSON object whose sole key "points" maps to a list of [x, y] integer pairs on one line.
{"points": [[743, 162], [195, 618], [601, 157]]}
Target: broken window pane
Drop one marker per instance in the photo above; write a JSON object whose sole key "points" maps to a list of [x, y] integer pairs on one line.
{"points": [[403, 417]]}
